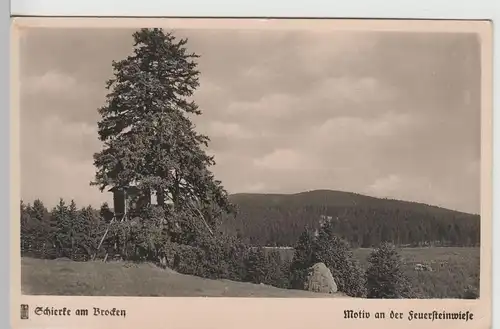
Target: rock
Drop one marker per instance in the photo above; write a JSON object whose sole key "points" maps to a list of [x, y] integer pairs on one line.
{"points": [[423, 267], [320, 279], [63, 259]]}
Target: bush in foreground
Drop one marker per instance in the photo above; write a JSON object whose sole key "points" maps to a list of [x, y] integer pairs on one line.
{"points": [[385, 277], [335, 253]]}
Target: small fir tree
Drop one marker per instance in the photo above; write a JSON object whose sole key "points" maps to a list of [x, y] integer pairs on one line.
{"points": [[303, 258], [336, 254], [385, 277], [257, 267]]}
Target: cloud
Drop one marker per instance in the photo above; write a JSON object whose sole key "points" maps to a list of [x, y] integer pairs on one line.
{"points": [[283, 159], [255, 187], [385, 186], [54, 177], [51, 83], [54, 136], [269, 107], [226, 130], [357, 138], [354, 90], [320, 51], [327, 99], [418, 189], [285, 111]]}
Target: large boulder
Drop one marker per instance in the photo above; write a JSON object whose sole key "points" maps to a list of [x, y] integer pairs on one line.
{"points": [[320, 279]]}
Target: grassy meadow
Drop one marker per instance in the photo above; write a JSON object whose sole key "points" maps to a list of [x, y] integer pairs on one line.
{"points": [[62, 277], [454, 270]]}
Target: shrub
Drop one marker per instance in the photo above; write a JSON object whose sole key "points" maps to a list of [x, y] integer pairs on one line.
{"points": [[470, 293], [384, 276], [335, 253], [279, 270], [267, 268], [257, 266], [337, 256], [187, 260], [303, 258]]}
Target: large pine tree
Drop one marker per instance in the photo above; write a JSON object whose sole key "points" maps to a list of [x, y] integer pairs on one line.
{"points": [[149, 139]]}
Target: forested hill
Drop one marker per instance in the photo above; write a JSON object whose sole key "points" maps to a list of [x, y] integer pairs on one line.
{"points": [[279, 219]]}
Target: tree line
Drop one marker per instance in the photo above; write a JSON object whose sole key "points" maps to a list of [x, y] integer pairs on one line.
{"points": [[71, 232], [76, 233], [278, 220]]}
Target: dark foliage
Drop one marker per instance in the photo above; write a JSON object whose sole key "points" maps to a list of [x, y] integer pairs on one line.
{"points": [[63, 232], [335, 253], [277, 219], [384, 277], [304, 257], [149, 140], [470, 293]]}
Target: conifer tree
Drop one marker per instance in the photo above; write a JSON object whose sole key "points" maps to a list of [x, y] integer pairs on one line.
{"points": [[43, 231], [74, 229], [27, 229], [149, 139], [257, 267], [385, 277], [88, 228], [61, 225], [336, 254], [304, 257], [106, 213]]}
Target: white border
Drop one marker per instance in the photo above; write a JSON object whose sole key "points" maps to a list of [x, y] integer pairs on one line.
{"points": [[426, 9], [429, 9]]}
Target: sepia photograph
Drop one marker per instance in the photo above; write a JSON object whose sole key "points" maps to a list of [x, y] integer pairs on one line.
{"points": [[240, 161]]}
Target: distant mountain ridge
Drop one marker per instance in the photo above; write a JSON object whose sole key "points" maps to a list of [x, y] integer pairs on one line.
{"points": [[338, 197], [278, 219]]}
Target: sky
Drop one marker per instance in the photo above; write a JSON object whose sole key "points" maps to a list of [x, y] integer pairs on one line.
{"points": [[386, 114]]}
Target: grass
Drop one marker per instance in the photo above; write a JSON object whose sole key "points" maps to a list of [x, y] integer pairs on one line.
{"points": [[454, 269], [55, 277]]}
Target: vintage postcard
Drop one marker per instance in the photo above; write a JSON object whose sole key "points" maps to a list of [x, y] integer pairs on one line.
{"points": [[251, 173]]}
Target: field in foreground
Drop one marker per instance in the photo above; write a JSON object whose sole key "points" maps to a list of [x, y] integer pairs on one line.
{"points": [[454, 269], [55, 277]]}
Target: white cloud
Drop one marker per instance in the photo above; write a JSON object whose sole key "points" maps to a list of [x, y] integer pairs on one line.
{"points": [[226, 129], [291, 112], [283, 159], [51, 82], [208, 88], [269, 106], [318, 50], [419, 189], [353, 90], [385, 186], [351, 130], [56, 161], [56, 124], [328, 96], [255, 187], [61, 177]]}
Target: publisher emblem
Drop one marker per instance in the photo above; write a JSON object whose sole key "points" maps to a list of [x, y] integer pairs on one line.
{"points": [[24, 311]]}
